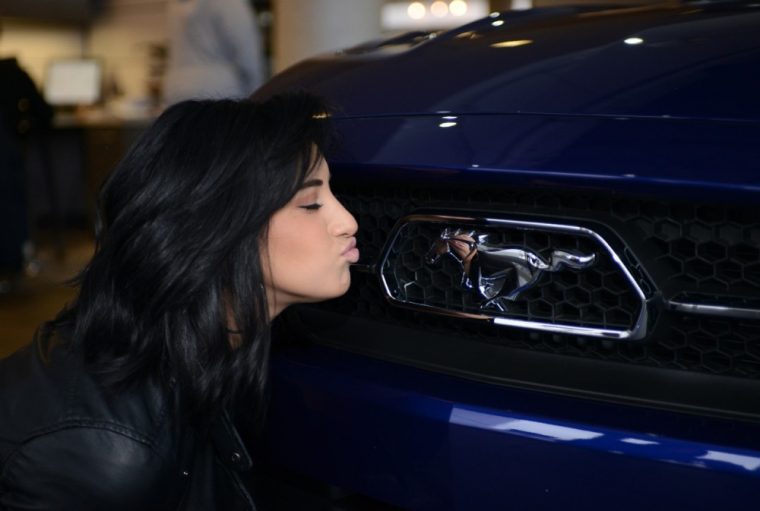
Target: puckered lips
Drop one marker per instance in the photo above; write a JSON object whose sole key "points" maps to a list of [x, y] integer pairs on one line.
{"points": [[351, 252]]}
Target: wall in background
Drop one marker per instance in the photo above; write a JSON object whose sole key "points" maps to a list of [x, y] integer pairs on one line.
{"points": [[34, 43], [125, 36], [303, 28]]}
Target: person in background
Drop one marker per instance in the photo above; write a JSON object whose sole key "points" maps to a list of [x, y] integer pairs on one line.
{"points": [[216, 220], [215, 50], [23, 113]]}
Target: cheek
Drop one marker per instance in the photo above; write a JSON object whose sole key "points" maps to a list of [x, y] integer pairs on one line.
{"points": [[305, 263], [290, 258]]}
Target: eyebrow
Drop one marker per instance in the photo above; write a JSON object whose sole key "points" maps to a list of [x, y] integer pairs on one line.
{"points": [[312, 182]]}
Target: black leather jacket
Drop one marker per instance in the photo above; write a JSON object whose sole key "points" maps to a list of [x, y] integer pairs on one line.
{"points": [[65, 444]]}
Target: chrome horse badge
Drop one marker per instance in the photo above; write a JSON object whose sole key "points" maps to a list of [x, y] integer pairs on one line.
{"points": [[500, 274]]}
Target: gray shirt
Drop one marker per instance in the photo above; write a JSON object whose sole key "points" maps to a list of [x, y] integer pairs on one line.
{"points": [[214, 50]]}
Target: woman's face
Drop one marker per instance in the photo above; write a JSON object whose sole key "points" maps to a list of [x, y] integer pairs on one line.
{"points": [[309, 247]]}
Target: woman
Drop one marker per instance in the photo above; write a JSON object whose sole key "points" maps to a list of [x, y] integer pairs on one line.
{"points": [[216, 220]]}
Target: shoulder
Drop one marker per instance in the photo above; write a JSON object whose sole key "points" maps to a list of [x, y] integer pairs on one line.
{"points": [[46, 387], [89, 465], [65, 443]]}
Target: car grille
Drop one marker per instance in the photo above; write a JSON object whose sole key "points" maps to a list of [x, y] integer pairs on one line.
{"points": [[555, 298], [706, 252]]}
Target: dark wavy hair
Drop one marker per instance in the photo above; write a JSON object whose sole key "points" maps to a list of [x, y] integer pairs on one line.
{"points": [[178, 247]]}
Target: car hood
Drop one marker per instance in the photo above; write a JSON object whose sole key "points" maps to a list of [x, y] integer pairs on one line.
{"points": [[695, 60]]}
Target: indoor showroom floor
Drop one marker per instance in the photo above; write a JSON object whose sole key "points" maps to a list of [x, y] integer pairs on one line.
{"points": [[38, 295]]}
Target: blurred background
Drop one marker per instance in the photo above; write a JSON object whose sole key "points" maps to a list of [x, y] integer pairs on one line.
{"points": [[79, 81]]}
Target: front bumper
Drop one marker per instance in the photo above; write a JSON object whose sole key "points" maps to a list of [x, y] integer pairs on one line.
{"points": [[427, 441]]}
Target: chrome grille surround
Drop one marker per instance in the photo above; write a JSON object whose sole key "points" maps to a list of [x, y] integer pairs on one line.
{"points": [[561, 302]]}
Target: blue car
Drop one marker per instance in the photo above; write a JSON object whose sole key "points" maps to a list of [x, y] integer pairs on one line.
{"points": [[558, 299]]}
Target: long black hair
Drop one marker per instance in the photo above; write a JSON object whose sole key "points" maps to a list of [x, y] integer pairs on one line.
{"points": [[181, 225]]}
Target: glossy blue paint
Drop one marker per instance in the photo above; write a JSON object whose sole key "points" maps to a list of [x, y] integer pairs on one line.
{"points": [[602, 98], [655, 101], [427, 441], [715, 160], [693, 60], [626, 443]]}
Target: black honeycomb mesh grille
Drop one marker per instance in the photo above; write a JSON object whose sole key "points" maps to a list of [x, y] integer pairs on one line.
{"points": [[708, 250]]}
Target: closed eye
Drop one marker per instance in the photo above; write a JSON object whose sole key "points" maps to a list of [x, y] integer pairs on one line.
{"points": [[312, 207]]}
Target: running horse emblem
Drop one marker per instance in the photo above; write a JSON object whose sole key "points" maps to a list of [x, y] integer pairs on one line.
{"points": [[500, 274]]}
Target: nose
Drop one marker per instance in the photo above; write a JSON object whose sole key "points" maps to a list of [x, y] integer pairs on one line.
{"points": [[344, 224]]}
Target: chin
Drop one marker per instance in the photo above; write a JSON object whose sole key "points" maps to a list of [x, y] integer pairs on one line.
{"points": [[339, 291], [326, 294]]}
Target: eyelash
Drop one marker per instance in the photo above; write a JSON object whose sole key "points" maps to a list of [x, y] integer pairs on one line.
{"points": [[312, 207]]}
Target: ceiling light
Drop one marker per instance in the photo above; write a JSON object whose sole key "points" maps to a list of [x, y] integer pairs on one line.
{"points": [[458, 7], [439, 9], [416, 10]]}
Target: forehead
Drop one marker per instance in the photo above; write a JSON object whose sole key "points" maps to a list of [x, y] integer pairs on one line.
{"points": [[320, 171]]}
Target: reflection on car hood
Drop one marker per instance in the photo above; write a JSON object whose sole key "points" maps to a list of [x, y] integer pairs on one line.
{"points": [[698, 60]]}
